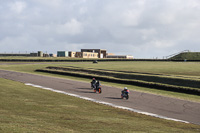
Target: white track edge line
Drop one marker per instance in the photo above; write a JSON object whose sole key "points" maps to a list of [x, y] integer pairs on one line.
{"points": [[106, 103]]}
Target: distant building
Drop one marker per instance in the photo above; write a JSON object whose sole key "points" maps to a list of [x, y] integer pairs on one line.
{"points": [[62, 53], [45, 55], [101, 52], [72, 54], [33, 54], [120, 56], [83, 54], [79, 55], [89, 55], [52, 55], [38, 54], [13, 54]]}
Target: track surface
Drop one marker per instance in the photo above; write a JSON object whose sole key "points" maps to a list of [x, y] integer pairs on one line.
{"points": [[164, 106]]}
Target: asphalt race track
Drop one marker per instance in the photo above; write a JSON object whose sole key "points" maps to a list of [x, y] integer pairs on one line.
{"points": [[160, 105]]}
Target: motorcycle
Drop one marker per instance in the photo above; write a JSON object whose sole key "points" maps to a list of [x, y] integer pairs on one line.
{"points": [[98, 89], [125, 95]]}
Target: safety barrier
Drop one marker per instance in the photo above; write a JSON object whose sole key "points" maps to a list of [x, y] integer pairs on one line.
{"points": [[180, 89]]}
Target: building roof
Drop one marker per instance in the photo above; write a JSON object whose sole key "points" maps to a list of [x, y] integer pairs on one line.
{"points": [[94, 49]]}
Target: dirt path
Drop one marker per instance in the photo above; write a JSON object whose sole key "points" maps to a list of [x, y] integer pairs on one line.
{"points": [[164, 106]]}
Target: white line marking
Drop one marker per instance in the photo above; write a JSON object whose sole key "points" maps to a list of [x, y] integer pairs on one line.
{"points": [[106, 103]]}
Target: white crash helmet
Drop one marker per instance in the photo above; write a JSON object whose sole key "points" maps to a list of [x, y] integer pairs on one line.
{"points": [[125, 88]]}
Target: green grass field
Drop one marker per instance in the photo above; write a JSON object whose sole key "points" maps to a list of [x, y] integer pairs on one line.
{"points": [[28, 109], [173, 68]]}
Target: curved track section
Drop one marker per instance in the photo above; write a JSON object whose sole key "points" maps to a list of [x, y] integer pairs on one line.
{"points": [[149, 104]]}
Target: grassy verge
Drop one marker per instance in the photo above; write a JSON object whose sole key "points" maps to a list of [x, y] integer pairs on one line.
{"points": [[168, 68], [30, 68], [28, 109]]}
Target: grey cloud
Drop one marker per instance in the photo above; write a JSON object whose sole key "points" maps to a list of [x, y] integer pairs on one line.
{"points": [[142, 28]]}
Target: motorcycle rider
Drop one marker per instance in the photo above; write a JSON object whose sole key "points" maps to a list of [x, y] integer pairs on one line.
{"points": [[93, 83], [125, 90], [97, 84], [97, 87]]}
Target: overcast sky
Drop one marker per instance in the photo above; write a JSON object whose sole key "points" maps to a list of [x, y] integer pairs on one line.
{"points": [[142, 28]]}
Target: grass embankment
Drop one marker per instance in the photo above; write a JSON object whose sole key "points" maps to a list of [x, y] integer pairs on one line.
{"points": [[165, 82], [28, 109], [187, 56]]}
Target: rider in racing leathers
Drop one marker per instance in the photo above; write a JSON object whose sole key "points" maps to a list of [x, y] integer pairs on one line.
{"points": [[97, 84], [93, 83], [125, 90]]}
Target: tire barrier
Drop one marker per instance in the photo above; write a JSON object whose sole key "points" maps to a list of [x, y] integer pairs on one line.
{"points": [[147, 77], [165, 87]]}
